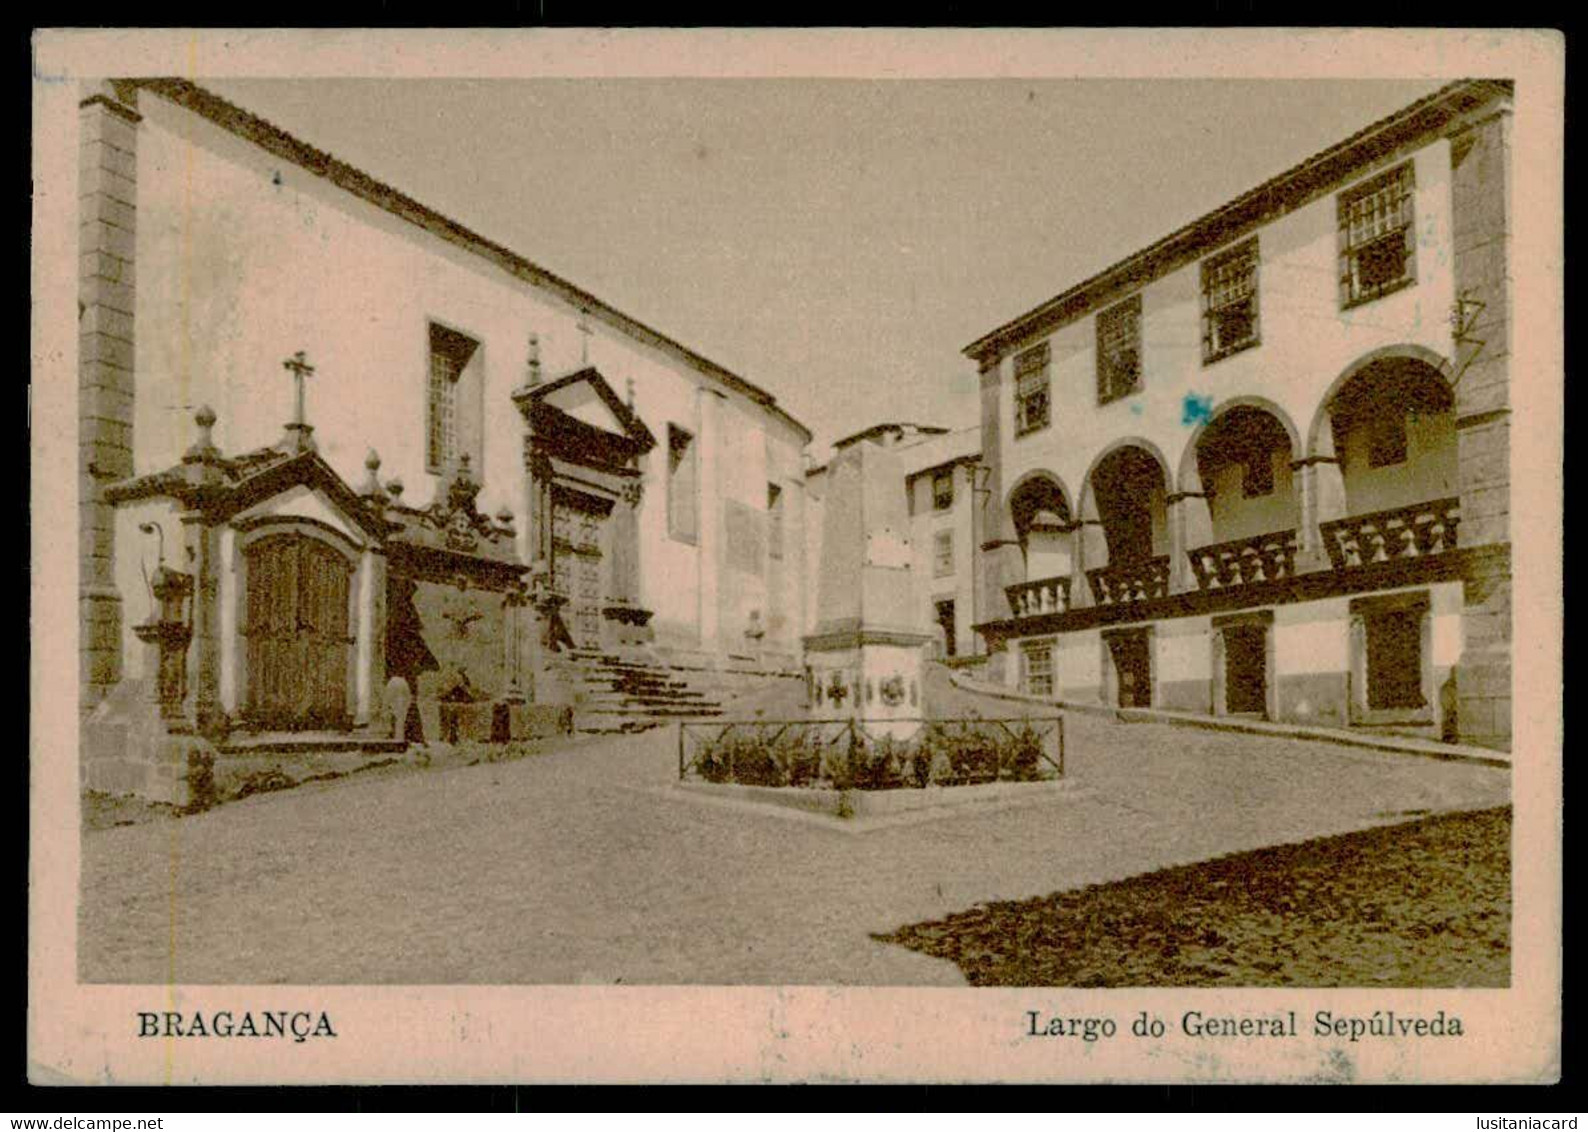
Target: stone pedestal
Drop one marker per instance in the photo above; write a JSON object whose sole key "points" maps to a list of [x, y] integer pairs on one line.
{"points": [[864, 661]]}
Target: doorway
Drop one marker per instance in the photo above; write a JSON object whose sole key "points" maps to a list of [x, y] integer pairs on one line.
{"points": [[1246, 670], [578, 523], [296, 624], [1130, 653]]}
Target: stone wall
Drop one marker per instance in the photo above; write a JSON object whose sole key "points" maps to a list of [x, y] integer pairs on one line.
{"points": [[107, 188], [1481, 191]]}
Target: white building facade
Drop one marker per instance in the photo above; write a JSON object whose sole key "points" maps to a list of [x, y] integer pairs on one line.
{"points": [[1261, 467]]}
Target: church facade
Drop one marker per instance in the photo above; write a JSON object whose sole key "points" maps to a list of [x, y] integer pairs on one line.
{"points": [[1261, 467], [336, 438]]}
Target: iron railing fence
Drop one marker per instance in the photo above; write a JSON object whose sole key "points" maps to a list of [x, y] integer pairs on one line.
{"points": [[869, 754]]}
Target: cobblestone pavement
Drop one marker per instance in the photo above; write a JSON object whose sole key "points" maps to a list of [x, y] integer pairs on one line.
{"points": [[583, 865]]}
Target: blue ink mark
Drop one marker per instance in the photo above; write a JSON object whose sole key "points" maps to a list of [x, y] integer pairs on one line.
{"points": [[1135, 408], [1196, 409]]}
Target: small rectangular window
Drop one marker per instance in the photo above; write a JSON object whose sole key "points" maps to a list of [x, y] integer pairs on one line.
{"points": [[943, 554], [1258, 477], [774, 520], [1119, 350], [1229, 301], [1031, 390], [1378, 236], [1386, 445], [450, 353], [1037, 665], [682, 485], [943, 489]]}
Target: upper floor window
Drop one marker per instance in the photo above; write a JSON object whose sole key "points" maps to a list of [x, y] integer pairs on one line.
{"points": [[1036, 663], [1031, 390], [943, 554], [682, 485], [1119, 350], [450, 353], [943, 489], [1229, 301], [774, 520], [1378, 247]]}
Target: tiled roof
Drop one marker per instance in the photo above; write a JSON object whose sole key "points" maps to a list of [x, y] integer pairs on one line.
{"points": [[1273, 197]]}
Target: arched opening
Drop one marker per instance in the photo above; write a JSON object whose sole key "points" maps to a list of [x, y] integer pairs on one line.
{"points": [[1040, 512], [1243, 460], [1127, 489], [1393, 423]]}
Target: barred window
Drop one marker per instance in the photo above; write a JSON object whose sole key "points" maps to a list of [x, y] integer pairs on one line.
{"points": [[1229, 301], [1031, 390], [943, 489], [1119, 350], [1037, 668], [449, 356], [943, 554], [1378, 237]]}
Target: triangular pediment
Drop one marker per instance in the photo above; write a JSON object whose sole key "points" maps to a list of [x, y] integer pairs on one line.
{"points": [[588, 398]]}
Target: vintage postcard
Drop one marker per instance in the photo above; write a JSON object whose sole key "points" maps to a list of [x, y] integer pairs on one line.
{"points": [[721, 556]]}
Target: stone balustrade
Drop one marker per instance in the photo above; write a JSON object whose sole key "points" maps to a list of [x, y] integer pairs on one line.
{"points": [[1126, 581], [1384, 536], [1260, 558], [1045, 595]]}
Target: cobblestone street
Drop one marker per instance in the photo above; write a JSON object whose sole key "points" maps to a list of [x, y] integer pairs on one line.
{"points": [[583, 866]]}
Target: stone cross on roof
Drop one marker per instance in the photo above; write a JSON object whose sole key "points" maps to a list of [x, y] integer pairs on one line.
{"points": [[299, 432]]}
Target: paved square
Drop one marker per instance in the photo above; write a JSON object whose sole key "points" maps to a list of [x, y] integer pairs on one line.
{"points": [[582, 866]]}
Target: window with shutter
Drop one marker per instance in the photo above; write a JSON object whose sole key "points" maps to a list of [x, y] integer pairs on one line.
{"points": [[1031, 390], [1229, 301]]}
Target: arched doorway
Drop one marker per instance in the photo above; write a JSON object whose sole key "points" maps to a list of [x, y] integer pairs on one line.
{"points": [[296, 621]]}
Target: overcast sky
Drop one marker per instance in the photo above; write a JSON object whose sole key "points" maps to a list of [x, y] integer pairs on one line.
{"points": [[834, 241]]}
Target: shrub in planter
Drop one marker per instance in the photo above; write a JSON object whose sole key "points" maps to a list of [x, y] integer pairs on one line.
{"points": [[973, 757], [878, 766], [1023, 762]]}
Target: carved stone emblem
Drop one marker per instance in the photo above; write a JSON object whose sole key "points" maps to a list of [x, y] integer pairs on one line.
{"points": [[893, 691]]}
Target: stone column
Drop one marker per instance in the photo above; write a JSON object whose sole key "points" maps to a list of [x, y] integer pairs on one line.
{"points": [[1190, 526], [107, 188], [1480, 158], [203, 703], [709, 501], [1322, 500], [991, 535], [1091, 552]]}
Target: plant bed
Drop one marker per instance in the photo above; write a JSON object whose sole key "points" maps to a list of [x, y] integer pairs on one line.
{"points": [[853, 759], [877, 803]]}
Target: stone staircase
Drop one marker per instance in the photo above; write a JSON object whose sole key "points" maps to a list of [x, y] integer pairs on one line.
{"points": [[626, 693]]}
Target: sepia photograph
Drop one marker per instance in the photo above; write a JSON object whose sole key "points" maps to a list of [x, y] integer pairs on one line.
{"points": [[1005, 532]]}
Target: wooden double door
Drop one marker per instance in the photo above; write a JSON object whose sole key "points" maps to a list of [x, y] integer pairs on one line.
{"points": [[578, 562], [296, 624]]}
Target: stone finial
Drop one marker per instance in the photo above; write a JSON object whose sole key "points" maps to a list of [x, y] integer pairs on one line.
{"points": [[504, 519], [630, 388], [394, 489], [203, 450], [372, 486], [532, 377]]}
